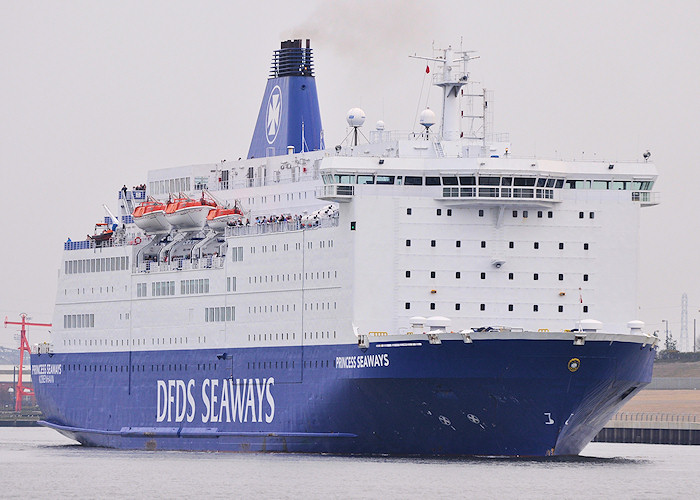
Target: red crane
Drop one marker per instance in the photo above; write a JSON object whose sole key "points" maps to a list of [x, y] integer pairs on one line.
{"points": [[21, 390]]}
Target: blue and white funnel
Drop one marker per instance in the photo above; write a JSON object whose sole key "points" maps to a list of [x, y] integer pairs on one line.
{"points": [[289, 113]]}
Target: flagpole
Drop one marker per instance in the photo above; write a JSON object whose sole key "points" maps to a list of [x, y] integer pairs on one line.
{"points": [[580, 308]]}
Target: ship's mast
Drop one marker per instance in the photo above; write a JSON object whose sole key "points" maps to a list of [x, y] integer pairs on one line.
{"points": [[452, 78]]}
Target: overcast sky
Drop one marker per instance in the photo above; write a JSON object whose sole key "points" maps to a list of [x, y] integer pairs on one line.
{"points": [[96, 93]]}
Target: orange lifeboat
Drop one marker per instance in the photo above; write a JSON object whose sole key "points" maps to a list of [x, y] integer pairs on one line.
{"points": [[102, 234], [188, 214], [219, 217], [150, 216]]}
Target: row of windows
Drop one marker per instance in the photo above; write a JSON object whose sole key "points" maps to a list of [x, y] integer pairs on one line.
{"points": [[511, 276], [511, 244], [258, 337], [291, 277], [78, 321], [165, 288], [159, 288], [133, 342], [444, 181], [188, 287], [174, 185], [482, 307], [218, 314], [614, 185], [540, 182], [96, 265], [251, 365]]}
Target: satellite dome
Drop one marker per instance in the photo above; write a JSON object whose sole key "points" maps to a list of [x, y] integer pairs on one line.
{"points": [[356, 117], [427, 118], [380, 125]]}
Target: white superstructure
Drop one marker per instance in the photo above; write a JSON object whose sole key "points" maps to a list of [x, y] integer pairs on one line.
{"points": [[428, 225]]}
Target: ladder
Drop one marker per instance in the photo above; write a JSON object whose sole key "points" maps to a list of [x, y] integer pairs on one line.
{"points": [[438, 150]]}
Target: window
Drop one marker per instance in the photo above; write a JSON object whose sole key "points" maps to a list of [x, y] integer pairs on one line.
{"points": [[432, 243], [407, 305], [432, 274], [561, 277], [585, 277], [580, 215], [482, 307], [510, 276], [561, 309], [525, 214], [408, 211], [456, 307], [539, 214], [585, 246], [408, 274], [510, 307], [483, 276], [550, 215], [585, 309], [408, 243], [449, 212], [515, 213], [536, 245], [483, 244], [458, 243], [591, 215], [432, 181], [432, 306], [481, 213], [535, 308], [439, 211], [458, 275], [511, 244], [449, 181], [561, 246], [535, 276], [413, 181]]}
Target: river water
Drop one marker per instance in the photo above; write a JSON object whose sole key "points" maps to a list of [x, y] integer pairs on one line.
{"points": [[40, 463]]}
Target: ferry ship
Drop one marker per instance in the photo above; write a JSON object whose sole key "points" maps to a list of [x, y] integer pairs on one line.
{"points": [[413, 293]]}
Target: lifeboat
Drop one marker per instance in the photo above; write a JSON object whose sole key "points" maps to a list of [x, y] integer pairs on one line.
{"points": [[188, 214], [150, 216], [102, 233], [219, 217]]}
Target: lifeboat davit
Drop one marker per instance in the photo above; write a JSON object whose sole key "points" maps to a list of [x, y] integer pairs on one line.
{"points": [[150, 217], [188, 214], [219, 217]]}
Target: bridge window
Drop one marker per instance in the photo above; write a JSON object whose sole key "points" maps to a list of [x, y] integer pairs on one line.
{"points": [[365, 179], [489, 181], [449, 181], [467, 181], [385, 179], [413, 181], [432, 181], [344, 179]]}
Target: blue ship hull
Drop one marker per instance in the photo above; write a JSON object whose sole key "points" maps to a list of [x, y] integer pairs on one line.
{"points": [[491, 397]]}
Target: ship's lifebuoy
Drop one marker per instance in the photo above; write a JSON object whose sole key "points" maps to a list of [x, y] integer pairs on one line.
{"points": [[137, 240]]}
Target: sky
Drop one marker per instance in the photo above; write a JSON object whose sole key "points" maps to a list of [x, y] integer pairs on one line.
{"points": [[96, 93]]}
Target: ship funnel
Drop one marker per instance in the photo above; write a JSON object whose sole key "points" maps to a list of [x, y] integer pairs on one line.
{"points": [[289, 115]]}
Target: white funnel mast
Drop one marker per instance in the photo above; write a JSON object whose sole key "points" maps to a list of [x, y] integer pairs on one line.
{"points": [[451, 79]]}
